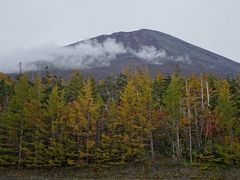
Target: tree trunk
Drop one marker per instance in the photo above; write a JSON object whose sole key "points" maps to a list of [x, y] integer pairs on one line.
{"points": [[196, 126], [173, 150], [152, 148], [178, 142], [88, 132], [208, 99], [189, 126], [231, 136], [78, 148], [20, 146], [202, 102], [36, 149]]}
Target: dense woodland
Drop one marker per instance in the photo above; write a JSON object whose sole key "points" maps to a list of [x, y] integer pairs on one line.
{"points": [[129, 118]]}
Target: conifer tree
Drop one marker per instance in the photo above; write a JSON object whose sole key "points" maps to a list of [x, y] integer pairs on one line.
{"points": [[229, 148], [172, 104], [123, 119], [128, 128], [75, 86], [109, 146], [134, 115], [16, 121], [55, 120], [143, 84], [225, 111], [158, 90], [34, 111], [83, 115], [6, 85]]}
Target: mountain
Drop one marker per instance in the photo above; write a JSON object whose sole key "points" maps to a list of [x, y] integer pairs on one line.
{"points": [[156, 50]]}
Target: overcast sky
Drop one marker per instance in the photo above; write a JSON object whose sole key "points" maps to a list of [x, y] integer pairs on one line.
{"points": [[211, 24]]}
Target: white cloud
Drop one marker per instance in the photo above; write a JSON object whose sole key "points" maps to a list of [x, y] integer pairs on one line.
{"points": [[149, 53], [84, 55]]}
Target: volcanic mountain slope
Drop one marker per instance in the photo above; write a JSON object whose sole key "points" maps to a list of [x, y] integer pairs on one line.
{"points": [[156, 50]]}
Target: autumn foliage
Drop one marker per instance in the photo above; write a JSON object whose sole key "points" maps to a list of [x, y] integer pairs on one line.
{"points": [[129, 118]]}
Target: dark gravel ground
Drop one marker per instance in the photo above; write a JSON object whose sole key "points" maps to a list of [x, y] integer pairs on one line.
{"points": [[123, 172]]}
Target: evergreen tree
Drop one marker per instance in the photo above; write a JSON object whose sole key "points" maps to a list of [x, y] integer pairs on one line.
{"points": [[158, 90], [34, 111], [55, 120], [5, 91], [128, 137], [83, 115], [121, 119], [74, 87], [109, 146], [172, 100], [225, 111], [16, 122], [134, 119]]}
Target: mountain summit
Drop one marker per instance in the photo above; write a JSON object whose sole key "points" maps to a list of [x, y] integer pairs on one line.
{"points": [[109, 54]]}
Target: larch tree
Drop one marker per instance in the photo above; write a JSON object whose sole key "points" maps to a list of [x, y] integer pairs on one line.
{"points": [[17, 122], [134, 119], [158, 90], [75, 86], [83, 115], [193, 103], [172, 100], [128, 128], [55, 120], [144, 90], [34, 114], [109, 145], [229, 148], [6, 87], [225, 111]]}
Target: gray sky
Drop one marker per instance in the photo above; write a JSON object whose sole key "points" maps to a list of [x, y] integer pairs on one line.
{"points": [[211, 24]]}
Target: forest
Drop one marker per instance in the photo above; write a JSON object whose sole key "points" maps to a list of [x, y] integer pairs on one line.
{"points": [[46, 121]]}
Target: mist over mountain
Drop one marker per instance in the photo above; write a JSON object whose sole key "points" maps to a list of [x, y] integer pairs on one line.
{"points": [[109, 54]]}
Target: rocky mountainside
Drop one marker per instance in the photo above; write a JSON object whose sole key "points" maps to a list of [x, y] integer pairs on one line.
{"points": [[156, 50]]}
